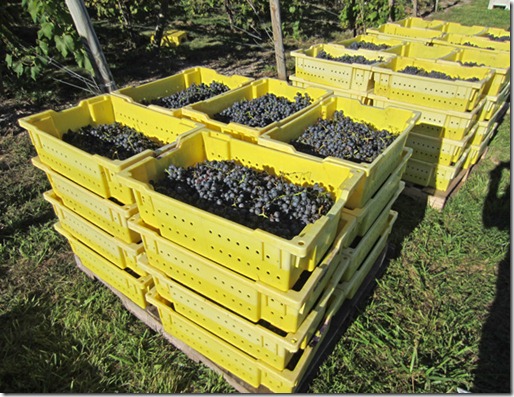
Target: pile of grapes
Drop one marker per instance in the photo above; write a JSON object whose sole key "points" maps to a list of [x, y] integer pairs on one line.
{"points": [[264, 110], [248, 196], [367, 46], [497, 38], [474, 45], [471, 64], [344, 138], [414, 70], [114, 141], [346, 58], [194, 93]]}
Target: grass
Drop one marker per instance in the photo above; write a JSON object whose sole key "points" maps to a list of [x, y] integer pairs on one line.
{"points": [[438, 320]]}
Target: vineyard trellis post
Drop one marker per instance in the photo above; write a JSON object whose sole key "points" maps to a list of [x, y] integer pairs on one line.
{"points": [[86, 31], [277, 39]]}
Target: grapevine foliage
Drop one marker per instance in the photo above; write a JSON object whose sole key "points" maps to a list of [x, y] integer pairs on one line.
{"points": [[114, 141], [343, 138], [194, 93], [264, 110], [248, 196], [346, 58]]}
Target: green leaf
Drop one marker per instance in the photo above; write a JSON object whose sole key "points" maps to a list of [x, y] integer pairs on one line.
{"points": [[46, 30], [68, 41], [34, 71], [8, 60], [18, 68], [44, 47], [61, 46], [292, 9], [372, 16]]}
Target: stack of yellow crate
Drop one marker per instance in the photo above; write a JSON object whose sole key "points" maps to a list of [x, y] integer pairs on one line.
{"points": [[458, 117], [246, 299]]}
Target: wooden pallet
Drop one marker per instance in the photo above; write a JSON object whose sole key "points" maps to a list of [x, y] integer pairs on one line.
{"points": [[435, 198], [337, 325]]}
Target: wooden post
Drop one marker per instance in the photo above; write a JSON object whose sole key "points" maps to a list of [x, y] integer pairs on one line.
{"points": [[161, 23], [391, 16], [277, 38], [414, 8], [86, 31]]}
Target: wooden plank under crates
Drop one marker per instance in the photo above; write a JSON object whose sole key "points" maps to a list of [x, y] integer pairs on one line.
{"points": [[334, 330]]}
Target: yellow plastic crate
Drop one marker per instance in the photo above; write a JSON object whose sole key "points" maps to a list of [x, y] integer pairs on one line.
{"points": [[432, 174], [104, 213], [398, 121], [493, 103], [458, 28], [465, 41], [127, 281], [416, 22], [421, 50], [363, 38], [484, 127], [116, 251], [382, 200], [178, 82], [252, 371], [497, 32], [204, 111], [349, 288], [340, 75], [258, 340], [476, 151], [362, 96], [257, 254], [437, 123], [497, 61], [95, 172], [362, 246], [457, 95], [171, 38], [395, 31], [440, 151], [254, 300]]}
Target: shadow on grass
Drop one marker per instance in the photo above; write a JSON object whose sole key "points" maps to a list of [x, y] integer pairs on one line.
{"points": [[492, 374], [39, 356]]}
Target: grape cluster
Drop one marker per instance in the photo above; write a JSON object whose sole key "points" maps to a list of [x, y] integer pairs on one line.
{"points": [[264, 110], [414, 70], [114, 141], [346, 58], [471, 64], [194, 93], [344, 138], [248, 196], [474, 45], [368, 46], [497, 38]]}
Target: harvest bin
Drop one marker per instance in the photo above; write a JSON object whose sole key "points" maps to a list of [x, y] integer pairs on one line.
{"points": [[340, 75], [267, 343], [253, 300], [465, 41], [457, 95], [421, 51], [204, 111], [127, 281], [458, 28], [395, 31], [104, 213], [240, 364], [437, 123], [498, 61], [363, 39], [416, 22], [93, 171], [178, 82], [116, 251], [255, 253], [398, 121]]}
